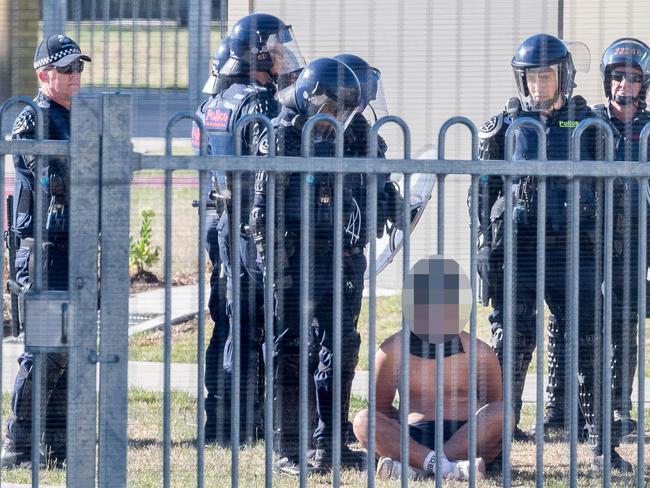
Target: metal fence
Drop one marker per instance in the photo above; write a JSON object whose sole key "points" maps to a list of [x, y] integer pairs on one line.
{"points": [[142, 44], [102, 162]]}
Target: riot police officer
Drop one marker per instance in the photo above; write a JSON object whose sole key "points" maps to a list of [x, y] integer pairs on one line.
{"points": [[325, 86], [58, 62], [216, 426], [491, 206], [261, 49], [544, 73], [624, 70]]}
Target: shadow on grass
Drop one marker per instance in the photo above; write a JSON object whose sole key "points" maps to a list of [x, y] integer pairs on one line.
{"points": [[158, 443]]}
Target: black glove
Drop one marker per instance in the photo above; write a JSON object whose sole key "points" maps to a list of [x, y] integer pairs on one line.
{"points": [[483, 261]]}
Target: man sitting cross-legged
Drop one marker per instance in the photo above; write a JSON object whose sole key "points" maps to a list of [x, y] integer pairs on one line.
{"points": [[422, 391]]}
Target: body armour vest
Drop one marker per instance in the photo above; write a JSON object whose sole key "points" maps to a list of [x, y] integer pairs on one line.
{"points": [[220, 114]]}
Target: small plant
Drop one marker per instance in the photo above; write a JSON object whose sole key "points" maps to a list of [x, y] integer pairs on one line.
{"points": [[142, 253]]}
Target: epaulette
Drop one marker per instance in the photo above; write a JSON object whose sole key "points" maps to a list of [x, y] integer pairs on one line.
{"points": [[25, 122], [600, 110], [491, 127], [578, 101]]}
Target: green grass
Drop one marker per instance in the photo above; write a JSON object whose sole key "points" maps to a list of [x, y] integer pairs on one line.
{"points": [[147, 346], [161, 59], [145, 454]]}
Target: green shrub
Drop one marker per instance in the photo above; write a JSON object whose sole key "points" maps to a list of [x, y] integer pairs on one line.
{"points": [[142, 253]]}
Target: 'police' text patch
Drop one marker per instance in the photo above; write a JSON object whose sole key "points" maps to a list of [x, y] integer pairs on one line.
{"points": [[217, 118]]}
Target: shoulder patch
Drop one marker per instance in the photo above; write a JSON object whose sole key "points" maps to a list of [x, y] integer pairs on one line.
{"points": [[491, 126], [25, 122], [217, 118]]}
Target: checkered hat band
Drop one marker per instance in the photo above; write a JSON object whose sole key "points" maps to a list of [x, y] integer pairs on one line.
{"points": [[55, 57]]}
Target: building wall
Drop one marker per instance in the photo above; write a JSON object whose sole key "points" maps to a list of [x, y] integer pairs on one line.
{"points": [[444, 58]]}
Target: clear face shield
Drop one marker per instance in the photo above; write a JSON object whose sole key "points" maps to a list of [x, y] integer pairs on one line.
{"points": [[285, 53], [323, 104], [538, 88], [373, 100]]}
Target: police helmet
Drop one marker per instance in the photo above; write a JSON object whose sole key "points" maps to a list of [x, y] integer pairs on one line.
{"points": [[327, 86], [216, 83], [373, 100], [626, 51], [536, 55], [262, 42]]}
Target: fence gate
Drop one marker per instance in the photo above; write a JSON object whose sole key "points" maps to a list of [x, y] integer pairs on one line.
{"points": [[66, 322]]}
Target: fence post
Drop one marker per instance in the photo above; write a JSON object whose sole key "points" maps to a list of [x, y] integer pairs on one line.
{"points": [[84, 229], [198, 28], [55, 15], [114, 268]]}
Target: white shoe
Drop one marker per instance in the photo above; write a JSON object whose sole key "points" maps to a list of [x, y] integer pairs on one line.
{"points": [[461, 470], [389, 469]]}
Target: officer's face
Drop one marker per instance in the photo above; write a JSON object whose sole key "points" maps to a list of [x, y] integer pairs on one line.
{"points": [[61, 86], [626, 81], [542, 83]]}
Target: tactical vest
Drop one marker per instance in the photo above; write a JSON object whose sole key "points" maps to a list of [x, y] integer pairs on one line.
{"points": [[219, 115]]}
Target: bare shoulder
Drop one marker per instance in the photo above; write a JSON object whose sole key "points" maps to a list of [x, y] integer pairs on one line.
{"points": [[483, 349], [392, 344]]}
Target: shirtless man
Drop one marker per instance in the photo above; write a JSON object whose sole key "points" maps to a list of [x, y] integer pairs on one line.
{"points": [[422, 415]]}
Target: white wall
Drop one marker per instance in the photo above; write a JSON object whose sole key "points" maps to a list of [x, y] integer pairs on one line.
{"points": [[443, 58]]}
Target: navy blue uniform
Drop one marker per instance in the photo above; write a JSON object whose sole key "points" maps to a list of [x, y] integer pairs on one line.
{"points": [[558, 278], [287, 279], [55, 270], [624, 263], [560, 128], [220, 114]]}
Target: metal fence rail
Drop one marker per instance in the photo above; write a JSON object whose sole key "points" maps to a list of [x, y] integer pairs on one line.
{"points": [[108, 116]]}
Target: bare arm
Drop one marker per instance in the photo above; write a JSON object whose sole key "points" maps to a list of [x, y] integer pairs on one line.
{"points": [[387, 374]]}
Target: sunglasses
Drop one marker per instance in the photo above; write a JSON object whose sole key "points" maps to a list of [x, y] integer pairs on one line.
{"points": [[630, 77], [74, 67]]}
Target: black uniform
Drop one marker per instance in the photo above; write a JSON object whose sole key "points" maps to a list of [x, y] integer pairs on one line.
{"points": [[624, 266], [54, 184], [220, 114], [558, 279], [287, 278]]}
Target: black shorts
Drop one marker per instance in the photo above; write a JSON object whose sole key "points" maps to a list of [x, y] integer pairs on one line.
{"points": [[424, 432]]}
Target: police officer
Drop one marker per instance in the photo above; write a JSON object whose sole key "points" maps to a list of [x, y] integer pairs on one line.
{"points": [[58, 62], [624, 70], [216, 425], [261, 50], [544, 74], [491, 206], [325, 86]]}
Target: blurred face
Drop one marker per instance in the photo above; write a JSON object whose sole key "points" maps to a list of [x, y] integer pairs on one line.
{"points": [[542, 84], [626, 82], [61, 84]]}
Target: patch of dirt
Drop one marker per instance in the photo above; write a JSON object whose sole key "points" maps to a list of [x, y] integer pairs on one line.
{"points": [[146, 280], [156, 337]]}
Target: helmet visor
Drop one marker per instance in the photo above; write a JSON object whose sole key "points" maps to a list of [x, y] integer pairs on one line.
{"points": [[581, 55], [285, 52], [538, 88], [323, 104], [373, 104]]}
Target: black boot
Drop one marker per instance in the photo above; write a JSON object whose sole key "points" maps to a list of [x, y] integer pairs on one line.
{"points": [[14, 456], [322, 459], [617, 463]]}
